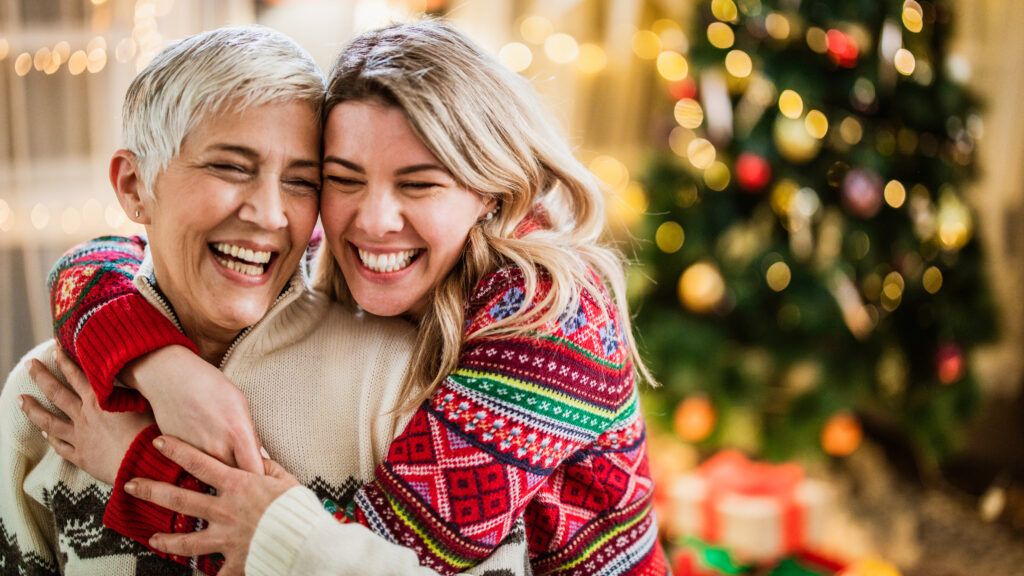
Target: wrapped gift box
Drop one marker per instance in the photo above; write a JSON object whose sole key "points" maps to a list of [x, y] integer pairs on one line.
{"points": [[759, 512], [694, 557]]}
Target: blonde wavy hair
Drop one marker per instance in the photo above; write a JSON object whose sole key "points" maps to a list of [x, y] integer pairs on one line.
{"points": [[485, 124]]}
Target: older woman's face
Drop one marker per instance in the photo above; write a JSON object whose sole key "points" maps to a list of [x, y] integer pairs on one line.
{"points": [[395, 219], [233, 212]]}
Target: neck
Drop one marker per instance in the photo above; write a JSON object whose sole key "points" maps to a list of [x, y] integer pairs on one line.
{"points": [[212, 344]]}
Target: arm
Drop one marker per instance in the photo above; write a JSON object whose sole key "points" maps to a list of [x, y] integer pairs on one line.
{"points": [[100, 318]]}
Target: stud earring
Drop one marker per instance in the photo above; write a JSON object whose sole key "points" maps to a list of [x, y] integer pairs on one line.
{"points": [[137, 213], [490, 215]]}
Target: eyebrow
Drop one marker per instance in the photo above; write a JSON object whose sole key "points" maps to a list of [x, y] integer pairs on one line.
{"points": [[253, 156], [400, 172]]}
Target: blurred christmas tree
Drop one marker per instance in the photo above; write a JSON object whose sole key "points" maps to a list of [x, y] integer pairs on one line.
{"points": [[812, 255]]}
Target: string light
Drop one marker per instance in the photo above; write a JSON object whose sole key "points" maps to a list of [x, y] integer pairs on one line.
{"points": [[932, 280], [720, 35], [777, 26], [791, 104], [701, 153], [717, 176], [97, 60], [679, 139], [671, 35], [851, 131], [125, 50], [913, 16], [892, 290], [42, 59], [516, 56], [114, 215], [778, 276], [536, 29], [62, 49], [816, 123], [669, 237], [817, 40], [561, 48], [724, 10], [78, 63], [23, 64], [904, 62], [592, 59], [895, 194], [672, 66], [646, 44], [688, 113], [70, 220], [612, 172], [40, 216], [738, 63], [5, 48]]}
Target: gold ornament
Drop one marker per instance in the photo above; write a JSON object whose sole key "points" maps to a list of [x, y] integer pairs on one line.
{"points": [[701, 287], [841, 435], [794, 142], [694, 419]]}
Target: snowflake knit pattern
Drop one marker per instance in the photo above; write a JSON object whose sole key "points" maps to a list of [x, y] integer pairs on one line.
{"points": [[544, 426]]}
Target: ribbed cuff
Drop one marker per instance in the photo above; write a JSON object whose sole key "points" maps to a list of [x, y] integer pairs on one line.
{"points": [[283, 530], [130, 516], [125, 329]]}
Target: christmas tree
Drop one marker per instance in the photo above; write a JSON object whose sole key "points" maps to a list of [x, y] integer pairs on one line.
{"points": [[811, 263]]}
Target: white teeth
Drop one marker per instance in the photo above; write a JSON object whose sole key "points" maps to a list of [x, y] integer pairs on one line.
{"points": [[247, 269], [253, 256], [391, 262]]}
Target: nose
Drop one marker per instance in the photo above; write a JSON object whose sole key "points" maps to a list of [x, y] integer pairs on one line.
{"points": [[379, 213], [264, 205]]}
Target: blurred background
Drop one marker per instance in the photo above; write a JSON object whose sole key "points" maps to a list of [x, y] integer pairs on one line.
{"points": [[821, 199]]}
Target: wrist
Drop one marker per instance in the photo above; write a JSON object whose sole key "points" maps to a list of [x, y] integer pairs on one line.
{"points": [[144, 374]]}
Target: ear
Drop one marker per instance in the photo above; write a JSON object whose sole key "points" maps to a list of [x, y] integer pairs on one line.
{"points": [[488, 204], [127, 183]]}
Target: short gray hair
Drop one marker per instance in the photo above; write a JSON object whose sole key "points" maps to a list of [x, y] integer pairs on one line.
{"points": [[191, 79]]}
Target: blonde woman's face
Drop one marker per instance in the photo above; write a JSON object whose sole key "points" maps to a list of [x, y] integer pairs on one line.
{"points": [[395, 219]]}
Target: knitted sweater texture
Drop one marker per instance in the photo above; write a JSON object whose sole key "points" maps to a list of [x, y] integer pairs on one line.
{"points": [[543, 426]]}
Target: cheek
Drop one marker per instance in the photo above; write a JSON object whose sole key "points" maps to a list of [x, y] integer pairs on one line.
{"points": [[335, 214]]}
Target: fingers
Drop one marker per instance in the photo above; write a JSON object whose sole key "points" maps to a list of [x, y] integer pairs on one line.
{"points": [[206, 468], [172, 497], [191, 544], [49, 423], [248, 457], [62, 397], [74, 375]]}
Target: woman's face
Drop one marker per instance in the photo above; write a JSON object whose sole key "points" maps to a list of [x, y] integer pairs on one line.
{"points": [[396, 220], [231, 215]]}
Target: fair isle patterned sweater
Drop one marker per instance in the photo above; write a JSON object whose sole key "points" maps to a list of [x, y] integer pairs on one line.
{"points": [[543, 426]]}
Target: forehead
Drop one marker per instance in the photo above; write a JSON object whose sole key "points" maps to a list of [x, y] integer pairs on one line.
{"points": [[291, 126], [370, 132]]}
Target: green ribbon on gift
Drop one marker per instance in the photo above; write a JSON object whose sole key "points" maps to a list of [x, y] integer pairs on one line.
{"points": [[721, 561]]}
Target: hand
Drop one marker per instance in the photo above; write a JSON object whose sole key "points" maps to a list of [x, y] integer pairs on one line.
{"points": [[90, 438], [194, 401], [231, 515]]}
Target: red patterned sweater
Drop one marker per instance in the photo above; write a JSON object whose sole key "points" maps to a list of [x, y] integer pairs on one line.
{"points": [[544, 426]]}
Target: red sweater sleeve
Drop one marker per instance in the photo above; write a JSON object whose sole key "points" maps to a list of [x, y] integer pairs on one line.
{"points": [[101, 320]]}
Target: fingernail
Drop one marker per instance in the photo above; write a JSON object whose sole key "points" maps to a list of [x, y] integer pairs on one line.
{"points": [[264, 453], [159, 443], [129, 487], [21, 402]]}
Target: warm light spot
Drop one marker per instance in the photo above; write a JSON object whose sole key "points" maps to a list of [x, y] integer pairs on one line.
{"points": [[42, 59], [5, 211], [646, 44], [932, 280], [70, 220], [672, 36], [164, 7], [5, 48], [860, 244], [669, 237], [778, 276], [720, 35], [895, 194], [717, 176], [97, 60], [125, 50], [904, 62], [40, 216], [54, 64], [724, 10], [22, 64], [78, 62], [816, 124], [688, 113], [913, 16], [612, 172], [516, 56], [114, 215], [97, 43], [536, 29], [561, 48], [92, 211], [783, 195], [592, 59], [679, 139], [672, 66], [701, 287], [851, 131], [701, 153], [738, 63], [791, 104], [817, 40], [777, 26]]}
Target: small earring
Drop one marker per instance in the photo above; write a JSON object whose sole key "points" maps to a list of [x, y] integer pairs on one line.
{"points": [[137, 213], [490, 215]]}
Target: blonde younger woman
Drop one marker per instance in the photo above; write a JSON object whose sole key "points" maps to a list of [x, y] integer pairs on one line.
{"points": [[448, 198]]}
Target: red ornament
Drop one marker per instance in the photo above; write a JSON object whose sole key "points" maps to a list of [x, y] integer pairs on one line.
{"points": [[842, 48], [753, 172], [950, 363], [685, 88]]}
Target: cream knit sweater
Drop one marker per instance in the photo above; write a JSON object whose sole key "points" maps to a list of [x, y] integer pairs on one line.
{"points": [[323, 387]]}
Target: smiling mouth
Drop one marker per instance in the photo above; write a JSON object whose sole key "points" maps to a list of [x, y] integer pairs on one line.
{"points": [[387, 262], [243, 260]]}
